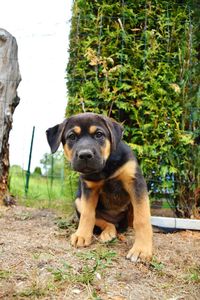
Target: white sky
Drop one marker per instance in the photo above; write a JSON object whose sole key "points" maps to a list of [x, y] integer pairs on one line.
{"points": [[41, 28]]}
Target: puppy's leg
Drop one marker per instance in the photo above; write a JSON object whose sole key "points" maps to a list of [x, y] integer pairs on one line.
{"points": [[109, 231], [142, 248], [86, 206]]}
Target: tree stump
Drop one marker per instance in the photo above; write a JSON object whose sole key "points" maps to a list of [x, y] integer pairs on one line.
{"points": [[9, 81]]}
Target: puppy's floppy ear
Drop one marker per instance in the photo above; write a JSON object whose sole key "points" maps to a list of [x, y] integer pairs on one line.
{"points": [[54, 136], [116, 131]]}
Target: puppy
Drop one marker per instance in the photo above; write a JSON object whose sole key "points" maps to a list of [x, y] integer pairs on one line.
{"points": [[112, 191]]}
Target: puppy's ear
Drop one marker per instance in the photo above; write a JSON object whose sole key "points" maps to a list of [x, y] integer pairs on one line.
{"points": [[54, 136], [116, 131]]}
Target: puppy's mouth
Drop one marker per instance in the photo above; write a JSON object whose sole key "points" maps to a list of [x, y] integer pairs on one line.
{"points": [[85, 168]]}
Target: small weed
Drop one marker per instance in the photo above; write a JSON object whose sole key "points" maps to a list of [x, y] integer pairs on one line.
{"points": [[61, 274], [156, 265], [102, 256], [194, 275], [84, 275], [23, 216], [4, 274], [32, 292], [95, 295], [112, 242], [36, 255], [36, 290], [65, 224]]}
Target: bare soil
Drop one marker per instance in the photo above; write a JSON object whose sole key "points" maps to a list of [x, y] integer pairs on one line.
{"points": [[38, 262]]}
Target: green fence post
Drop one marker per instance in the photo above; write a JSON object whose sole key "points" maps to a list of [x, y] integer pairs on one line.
{"points": [[29, 163], [52, 170]]}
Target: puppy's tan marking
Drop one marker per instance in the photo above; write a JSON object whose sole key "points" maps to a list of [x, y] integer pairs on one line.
{"points": [[77, 129], [96, 185], [126, 172], [142, 248], [83, 236], [92, 129], [106, 149], [68, 152]]}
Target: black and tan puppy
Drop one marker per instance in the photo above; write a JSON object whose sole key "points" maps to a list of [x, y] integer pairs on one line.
{"points": [[112, 190]]}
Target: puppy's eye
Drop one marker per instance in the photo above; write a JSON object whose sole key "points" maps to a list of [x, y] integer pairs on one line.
{"points": [[71, 136], [98, 135]]}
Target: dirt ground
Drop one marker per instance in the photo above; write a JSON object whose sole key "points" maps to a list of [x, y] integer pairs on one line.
{"points": [[37, 262]]}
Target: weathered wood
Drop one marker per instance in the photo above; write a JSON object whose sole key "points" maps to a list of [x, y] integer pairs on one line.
{"points": [[9, 81]]}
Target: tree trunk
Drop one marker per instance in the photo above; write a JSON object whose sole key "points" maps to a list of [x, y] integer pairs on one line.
{"points": [[9, 81]]}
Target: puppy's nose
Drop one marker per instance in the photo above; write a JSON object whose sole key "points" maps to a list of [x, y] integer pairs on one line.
{"points": [[85, 154]]}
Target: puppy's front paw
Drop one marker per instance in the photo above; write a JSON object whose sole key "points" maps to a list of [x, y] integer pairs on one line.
{"points": [[140, 253], [78, 240]]}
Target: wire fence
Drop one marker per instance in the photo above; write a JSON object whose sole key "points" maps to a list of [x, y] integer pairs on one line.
{"points": [[48, 189], [59, 190]]}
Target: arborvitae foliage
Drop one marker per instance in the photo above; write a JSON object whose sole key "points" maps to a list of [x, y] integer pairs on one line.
{"points": [[138, 61]]}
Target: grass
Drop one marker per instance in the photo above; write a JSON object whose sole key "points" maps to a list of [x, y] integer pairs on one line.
{"points": [[102, 255], [193, 275], [32, 292], [91, 264], [5, 274], [156, 265], [43, 193], [36, 290]]}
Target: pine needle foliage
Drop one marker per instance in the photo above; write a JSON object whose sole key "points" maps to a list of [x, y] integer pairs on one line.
{"points": [[138, 62]]}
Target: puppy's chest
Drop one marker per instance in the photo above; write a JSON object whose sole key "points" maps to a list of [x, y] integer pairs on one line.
{"points": [[113, 195]]}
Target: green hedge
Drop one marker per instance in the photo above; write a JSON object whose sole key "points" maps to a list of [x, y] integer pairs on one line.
{"points": [[138, 61]]}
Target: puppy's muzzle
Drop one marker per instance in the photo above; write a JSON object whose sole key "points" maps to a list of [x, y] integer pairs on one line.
{"points": [[87, 160]]}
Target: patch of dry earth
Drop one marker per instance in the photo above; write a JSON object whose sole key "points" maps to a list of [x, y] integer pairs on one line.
{"points": [[34, 252]]}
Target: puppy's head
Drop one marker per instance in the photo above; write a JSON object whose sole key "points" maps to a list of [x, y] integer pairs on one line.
{"points": [[88, 140]]}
